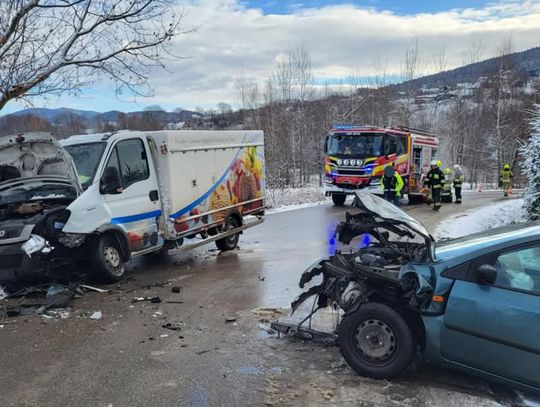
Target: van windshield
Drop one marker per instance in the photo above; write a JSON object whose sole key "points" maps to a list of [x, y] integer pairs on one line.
{"points": [[86, 158], [364, 145]]}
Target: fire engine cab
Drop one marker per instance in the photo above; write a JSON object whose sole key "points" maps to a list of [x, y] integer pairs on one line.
{"points": [[355, 158]]}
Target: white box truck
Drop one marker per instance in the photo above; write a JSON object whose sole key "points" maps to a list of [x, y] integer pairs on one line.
{"points": [[125, 194]]}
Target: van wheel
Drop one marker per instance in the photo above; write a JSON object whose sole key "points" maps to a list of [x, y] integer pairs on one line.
{"points": [[376, 341], [339, 199], [229, 242], [107, 259]]}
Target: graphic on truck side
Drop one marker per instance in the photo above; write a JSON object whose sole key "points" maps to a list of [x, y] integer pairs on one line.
{"points": [[240, 189]]}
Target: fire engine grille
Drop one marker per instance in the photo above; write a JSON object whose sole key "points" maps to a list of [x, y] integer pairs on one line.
{"points": [[350, 171]]}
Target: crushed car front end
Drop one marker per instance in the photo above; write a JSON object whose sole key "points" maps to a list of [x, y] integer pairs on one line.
{"points": [[381, 280]]}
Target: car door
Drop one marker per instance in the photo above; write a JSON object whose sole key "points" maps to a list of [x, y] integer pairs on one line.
{"points": [[135, 208], [495, 327]]}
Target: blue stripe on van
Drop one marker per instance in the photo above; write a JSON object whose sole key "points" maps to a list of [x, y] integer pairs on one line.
{"points": [[198, 201], [134, 218]]}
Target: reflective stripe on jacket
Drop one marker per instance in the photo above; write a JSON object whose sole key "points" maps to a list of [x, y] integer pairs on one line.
{"points": [[435, 178], [395, 184], [506, 175]]}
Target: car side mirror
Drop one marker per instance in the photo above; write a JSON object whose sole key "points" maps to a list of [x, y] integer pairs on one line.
{"points": [[110, 183], [486, 274]]}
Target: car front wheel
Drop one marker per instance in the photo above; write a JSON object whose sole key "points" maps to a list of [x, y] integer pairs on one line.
{"points": [[376, 341]]}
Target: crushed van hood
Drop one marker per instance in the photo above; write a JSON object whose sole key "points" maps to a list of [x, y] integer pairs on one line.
{"points": [[34, 156]]}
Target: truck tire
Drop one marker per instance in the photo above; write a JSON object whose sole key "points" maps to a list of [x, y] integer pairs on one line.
{"points": [[339, 199], [376, 341], [229, 242], [107, 259]]}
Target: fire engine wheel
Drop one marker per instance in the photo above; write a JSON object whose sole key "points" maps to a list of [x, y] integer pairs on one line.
{"points": [[376, 341], [339, 199], [229, 242], [107, 259]]}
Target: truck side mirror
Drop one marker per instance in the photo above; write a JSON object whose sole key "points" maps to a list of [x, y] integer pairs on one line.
{"points": [[486, 274], [110, 183]]}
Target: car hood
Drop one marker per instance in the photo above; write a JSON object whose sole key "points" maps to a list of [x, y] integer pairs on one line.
{"points": [[388, 212], [32, 156]]}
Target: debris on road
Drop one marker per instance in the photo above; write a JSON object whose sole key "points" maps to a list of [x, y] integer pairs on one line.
{"points": [[267, 311], [3, 293], [98, 315], [230, 318], [261, 278], [176, 289], [96, 289], [172, 327], [153, 300], [157, 353]]}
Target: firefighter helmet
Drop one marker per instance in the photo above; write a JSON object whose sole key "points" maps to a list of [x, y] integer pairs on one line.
{"points": [[506, 167], [439, 163], [447, 171], [433, 163]]}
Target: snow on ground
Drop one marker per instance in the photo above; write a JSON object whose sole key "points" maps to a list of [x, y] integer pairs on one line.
{"points": [[287, 199], [478, 220]]}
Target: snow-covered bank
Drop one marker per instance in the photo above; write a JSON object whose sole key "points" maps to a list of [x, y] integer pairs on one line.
{"points": [[280, 200], [478, 220]]}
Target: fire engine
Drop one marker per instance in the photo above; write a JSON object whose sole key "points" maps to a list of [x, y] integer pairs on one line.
{"points": [[355, 158]]}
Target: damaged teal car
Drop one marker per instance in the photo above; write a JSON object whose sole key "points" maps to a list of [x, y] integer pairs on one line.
{"points": [[472, 304]]}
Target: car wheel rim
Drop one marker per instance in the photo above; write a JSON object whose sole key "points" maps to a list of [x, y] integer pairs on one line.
{"points": [[376, 340], [112, 258]]}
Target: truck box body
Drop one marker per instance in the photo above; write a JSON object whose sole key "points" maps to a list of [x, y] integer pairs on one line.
{"points": [[205, 175]]}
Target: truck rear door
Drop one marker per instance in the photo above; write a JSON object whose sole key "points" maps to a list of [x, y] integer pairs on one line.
{"points": [[136, 209]]}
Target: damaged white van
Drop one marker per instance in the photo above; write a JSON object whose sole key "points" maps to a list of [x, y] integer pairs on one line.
{"points": [[124, 194]]}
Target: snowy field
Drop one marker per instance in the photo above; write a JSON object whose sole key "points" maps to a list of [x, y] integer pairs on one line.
{"points": [[288, 199], [478, 220]]}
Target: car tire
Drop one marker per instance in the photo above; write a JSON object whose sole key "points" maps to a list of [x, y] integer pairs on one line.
{"points": [[339, 199], [376, 341], [107, 259], [230, 242]]}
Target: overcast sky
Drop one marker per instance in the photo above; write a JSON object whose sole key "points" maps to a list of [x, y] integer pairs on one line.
{"points": [[236, 38]]}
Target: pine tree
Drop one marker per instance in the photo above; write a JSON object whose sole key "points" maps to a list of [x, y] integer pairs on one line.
{"points": [[531, 167]]}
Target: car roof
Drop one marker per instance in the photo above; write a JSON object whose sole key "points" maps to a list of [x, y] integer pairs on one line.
{"points": [[495, 239]]}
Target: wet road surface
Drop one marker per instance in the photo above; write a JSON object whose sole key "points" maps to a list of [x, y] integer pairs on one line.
{"points": [[220, 356]]}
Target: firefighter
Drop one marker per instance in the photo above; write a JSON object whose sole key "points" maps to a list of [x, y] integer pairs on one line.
{"points": [[435, 180], [458, 182], [506, 178], [446, 190], [392, 184]]}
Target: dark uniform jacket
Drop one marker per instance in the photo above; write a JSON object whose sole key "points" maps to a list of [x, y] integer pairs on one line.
{"points": [[435, 178]]}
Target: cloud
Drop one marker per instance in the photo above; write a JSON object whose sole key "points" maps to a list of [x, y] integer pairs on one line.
{"points": [[233, 40]]}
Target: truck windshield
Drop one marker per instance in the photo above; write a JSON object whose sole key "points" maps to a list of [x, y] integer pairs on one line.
{"points": [[86, 158], [364, 145]]}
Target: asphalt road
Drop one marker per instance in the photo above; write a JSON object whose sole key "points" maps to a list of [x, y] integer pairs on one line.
{"points": [[220, 356]]}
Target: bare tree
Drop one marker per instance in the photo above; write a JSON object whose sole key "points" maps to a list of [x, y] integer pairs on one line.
{"points": [[58, 46], [409, 71]]}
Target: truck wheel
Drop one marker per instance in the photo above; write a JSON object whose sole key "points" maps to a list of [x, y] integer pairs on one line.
{"points": [[339, 199], [229, 242], [107, 259], [376, 341]]}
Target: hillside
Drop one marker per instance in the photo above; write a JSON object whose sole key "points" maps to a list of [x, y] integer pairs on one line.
{"points": [[525, 64]]}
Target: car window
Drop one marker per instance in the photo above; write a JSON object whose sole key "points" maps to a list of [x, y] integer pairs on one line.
{"points": [[133, 161], [519, 269]]}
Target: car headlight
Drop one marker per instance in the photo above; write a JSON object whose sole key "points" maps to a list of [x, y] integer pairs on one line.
{"points": [[339, 162], [359, 163], [345, 162]]}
